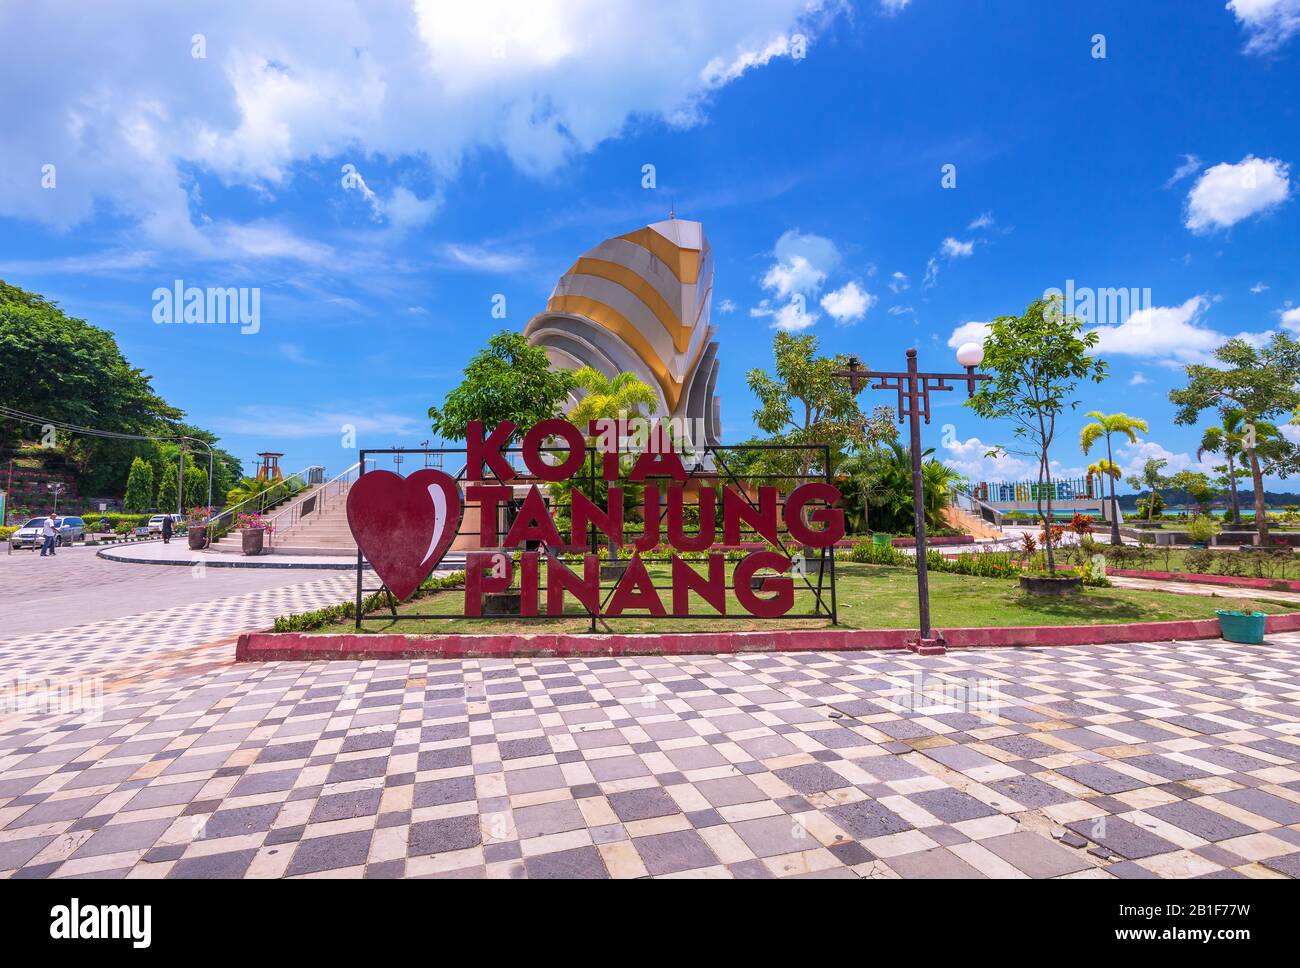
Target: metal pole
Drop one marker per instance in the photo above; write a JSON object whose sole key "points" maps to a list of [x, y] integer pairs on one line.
{"points": [[918, 493]]}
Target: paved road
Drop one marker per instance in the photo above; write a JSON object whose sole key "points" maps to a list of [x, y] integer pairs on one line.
{"points": [[151, 754], [75, 587]]}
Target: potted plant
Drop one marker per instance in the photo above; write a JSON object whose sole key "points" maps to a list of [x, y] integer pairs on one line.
{"points": [[198, 528], [1034, 579], [253, 529]]}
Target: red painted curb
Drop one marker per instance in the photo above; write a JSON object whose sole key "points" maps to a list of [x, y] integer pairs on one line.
{"points": [[1269, 584], [270, 646]]}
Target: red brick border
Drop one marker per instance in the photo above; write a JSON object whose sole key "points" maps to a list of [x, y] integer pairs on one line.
{"points": [[267, 646], [1197, 578]]}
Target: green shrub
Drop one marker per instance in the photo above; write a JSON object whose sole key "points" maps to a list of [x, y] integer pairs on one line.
{"points": [[334, 614]]}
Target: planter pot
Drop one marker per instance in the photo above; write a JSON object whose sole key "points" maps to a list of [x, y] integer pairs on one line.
{"points": [[613, 569], [501, 603], [1045, 585], [1245, 627], [198, 537], [252, 540]]}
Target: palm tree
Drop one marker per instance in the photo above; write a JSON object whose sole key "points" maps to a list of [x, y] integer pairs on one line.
{"points": [[1104, 425], [1101, 470], [622, 397], [1228, 439]]}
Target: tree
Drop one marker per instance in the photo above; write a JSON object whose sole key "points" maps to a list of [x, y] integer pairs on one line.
{"points": [[804, 404], [139, 486], [1227, 439], [621, 398], [167, 489], [1153, 480], [1262, 383], [509, 380], [1035, 361], [879, 480], [625, 396], [196, 486], [1198, 488], [1103, 469], [1103, 426]]}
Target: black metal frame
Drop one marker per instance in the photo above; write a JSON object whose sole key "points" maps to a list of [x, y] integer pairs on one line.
{"points": [[824, 595]]}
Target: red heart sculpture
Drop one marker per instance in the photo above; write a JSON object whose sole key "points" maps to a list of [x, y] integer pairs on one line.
{"points": [[404, 525]]}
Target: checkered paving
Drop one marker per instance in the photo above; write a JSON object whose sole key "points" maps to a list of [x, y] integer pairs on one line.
{"points": [[1152, 760]]}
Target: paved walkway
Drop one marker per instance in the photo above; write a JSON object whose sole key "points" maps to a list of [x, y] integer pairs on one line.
{"points": [[178, 553], [151, 754]]}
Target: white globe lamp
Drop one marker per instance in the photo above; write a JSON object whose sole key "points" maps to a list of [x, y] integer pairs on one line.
{"points": [[970, 354]]}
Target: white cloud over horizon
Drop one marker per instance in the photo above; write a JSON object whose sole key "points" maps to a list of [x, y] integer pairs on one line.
{"points": [[1268, 23]]}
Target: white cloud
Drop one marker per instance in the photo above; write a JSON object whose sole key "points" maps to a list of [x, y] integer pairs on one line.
{"points": [[1258, 287], [1131, 457], [483, 259], [970, 457], [1226, 194], [892, 7], [803, 261], [931, 274], [290, 422], [1190, 166], [848, 304], [793, 317], [1268, 23], [900, 310], [955, 249], [133, 127], [1291, 319], [972, 332], [1137, 380], [1169, 333], [727, 306], [899, 282], [984, 221]]}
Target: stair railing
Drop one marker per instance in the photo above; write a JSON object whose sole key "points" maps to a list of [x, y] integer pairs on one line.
{"points": [[224, 519], [317, 501]]}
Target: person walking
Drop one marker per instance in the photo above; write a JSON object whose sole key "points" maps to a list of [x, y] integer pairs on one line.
{"points": [[49, 535], [167, 528]]}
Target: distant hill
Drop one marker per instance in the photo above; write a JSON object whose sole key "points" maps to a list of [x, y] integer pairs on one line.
{"points": [[1174, 497]]}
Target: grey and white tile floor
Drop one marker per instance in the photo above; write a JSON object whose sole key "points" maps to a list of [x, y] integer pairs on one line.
{"points": [[1154, 760]]}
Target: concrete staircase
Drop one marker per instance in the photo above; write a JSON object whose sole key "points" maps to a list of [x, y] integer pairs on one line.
{"points": [[968, 523], [323, 532]]}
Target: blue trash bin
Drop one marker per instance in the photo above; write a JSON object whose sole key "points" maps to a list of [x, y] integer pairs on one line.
{"points": [[1244, 627]]}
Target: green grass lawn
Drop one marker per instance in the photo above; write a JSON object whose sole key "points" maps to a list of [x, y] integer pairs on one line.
{"points": [[869, 596]]}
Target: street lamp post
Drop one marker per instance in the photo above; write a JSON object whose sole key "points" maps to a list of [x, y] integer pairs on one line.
{"points": [[57, 489], [913, 389]]}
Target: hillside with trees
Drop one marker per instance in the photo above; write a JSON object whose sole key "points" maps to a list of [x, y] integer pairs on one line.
{"points": [[63, 369]]}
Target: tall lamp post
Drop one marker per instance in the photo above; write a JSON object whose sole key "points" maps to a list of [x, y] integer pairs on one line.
{"points": [[913, 389]]}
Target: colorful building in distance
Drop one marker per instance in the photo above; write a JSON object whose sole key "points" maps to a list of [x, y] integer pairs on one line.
{"points": [[640, 303]]}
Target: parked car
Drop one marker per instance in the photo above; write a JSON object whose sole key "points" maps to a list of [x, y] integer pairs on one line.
{"points": [[31, 534], [155, 523]]}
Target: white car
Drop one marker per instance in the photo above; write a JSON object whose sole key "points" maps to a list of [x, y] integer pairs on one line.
{"points": [[155, 523], [31, 534]]}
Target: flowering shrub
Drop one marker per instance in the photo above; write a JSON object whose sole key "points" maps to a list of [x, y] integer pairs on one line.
{"points": [[253, 522], [1081, 524]]}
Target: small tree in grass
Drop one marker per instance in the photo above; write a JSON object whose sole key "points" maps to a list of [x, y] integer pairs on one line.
{"points": [[139, 486], [1035, 361], [1153, 481]]}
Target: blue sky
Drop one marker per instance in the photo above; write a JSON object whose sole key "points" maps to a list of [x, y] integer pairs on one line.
{"points": [[494, 145]]}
